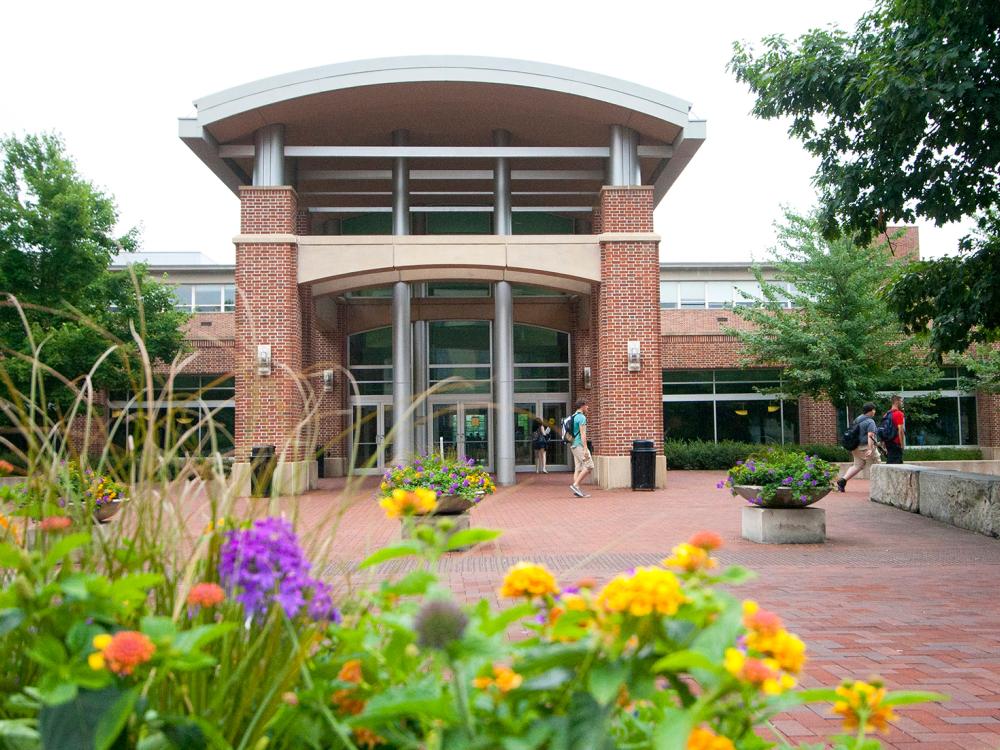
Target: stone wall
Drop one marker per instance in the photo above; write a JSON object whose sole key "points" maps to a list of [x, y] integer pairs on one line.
{"points": [[962, 499]]}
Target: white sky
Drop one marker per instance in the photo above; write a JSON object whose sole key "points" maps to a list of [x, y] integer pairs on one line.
{"points": [[112, 78]]}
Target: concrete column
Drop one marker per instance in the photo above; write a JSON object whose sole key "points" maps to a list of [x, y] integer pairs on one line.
{"points": [[503, 326], [501, 186], [400, 187], [623, 160], [269, 156], [402, 345], [420, 380]]}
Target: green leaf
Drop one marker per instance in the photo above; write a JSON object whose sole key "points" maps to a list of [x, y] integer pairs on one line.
{"points": [[73, 725], [906, 697], [75, 587], [671, 732], [606, 679], [55, 691], [63, 547], [112, 720], [404, 549], [681, 661], [423, 699], [19, 734], [158, 628], [10, 556], [48, 651], [188, 640], [470, 537], [504, 619], [549, 680], [412, 584], [735, 575], [817, 695], [10, 619]]}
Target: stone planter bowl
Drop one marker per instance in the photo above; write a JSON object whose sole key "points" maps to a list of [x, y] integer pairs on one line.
{"points": [[104, 513], [451, 505], [783, 497]]}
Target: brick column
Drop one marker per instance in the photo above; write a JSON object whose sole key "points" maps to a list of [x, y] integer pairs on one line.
{"points": [[627, 309], [988, 423], [268, 311], [817, 422]]}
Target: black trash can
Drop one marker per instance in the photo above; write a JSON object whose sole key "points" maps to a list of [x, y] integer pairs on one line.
{"points": [[643, 465], [321, 465], [262, 463]]}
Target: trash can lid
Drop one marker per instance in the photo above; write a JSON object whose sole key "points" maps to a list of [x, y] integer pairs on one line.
{"points": [[642, 445]]}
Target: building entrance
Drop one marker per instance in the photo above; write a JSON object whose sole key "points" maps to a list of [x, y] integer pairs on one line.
{"points": [[463, 428], [552, 408], [371, 434]]}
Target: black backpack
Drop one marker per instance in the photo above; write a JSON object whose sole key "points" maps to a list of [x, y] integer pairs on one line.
{"points": [[887, 431], [851, 438]]}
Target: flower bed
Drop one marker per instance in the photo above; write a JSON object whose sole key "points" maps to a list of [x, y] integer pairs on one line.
{"points": [[781, 480], [444, 477]]}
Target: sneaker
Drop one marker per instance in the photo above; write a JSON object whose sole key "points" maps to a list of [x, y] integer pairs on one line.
{"points": [[576, 491], [841, 485], [584, 494]]}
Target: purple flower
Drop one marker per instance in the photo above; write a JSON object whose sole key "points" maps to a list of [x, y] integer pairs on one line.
{"points": [[787, 481], [719, 485], [807, 475], [264, 565]]}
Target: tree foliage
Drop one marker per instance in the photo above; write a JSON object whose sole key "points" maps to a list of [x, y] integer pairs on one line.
{"points": [[840, 342], [57, 241], [902, 114]]}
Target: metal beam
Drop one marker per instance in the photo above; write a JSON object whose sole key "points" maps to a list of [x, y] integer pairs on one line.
{"points": [[429, 152], [269, 156], [595, 175], [446, 209], [200, 141]]}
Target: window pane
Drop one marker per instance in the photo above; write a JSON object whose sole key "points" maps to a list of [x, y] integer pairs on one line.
{"points": [[749, 422], [371, 347], [749, 287], [687, 376], [207, 298], [967, 407], [548, 371], [469, 373], [668, 294], [457, 289], [749, 376], [720, 294], [542, 386], [459, 342], [934, 422], [688, 420], [692, 294], [540, 345], [229, 297], [683, 389], [183, 295], [380, 292], [790, 422]]}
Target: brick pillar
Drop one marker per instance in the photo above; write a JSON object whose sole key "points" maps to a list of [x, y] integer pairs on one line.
{"points": [[817, 422], [627, 309], [268, 311], [988, 423]]}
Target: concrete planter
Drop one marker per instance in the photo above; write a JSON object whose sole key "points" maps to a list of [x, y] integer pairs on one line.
{"points": [[782, 498], [784, 525], [104, 513]]}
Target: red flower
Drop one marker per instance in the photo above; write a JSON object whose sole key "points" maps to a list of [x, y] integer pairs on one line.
{"points": [[707, 540], [55, 523], [206, 595], [126, 650]]}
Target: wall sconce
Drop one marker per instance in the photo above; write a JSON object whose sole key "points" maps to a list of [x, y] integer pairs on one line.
{"points": [[634, 357], [327, 381], [586, 378], [263, 359]]}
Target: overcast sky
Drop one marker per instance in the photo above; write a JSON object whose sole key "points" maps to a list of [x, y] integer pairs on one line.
{"points": [[112, 78]]}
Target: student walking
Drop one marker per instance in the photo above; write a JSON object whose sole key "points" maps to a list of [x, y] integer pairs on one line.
{"points": [[865, 452], [893, 431], [583, 462], [540, 443]]}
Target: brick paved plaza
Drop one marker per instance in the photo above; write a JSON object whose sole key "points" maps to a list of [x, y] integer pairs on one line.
{"points": [[890, 593]]}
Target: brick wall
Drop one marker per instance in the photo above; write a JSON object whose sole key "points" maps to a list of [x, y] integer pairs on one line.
{"points": [[324, 349], [268, 408], [817, 421], [988, 419], [627, 309], [702, 351], [906, 247]]}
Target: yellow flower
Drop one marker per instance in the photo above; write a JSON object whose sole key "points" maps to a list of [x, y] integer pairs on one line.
{"points": [[408, 503], [765, 674], [690, 558], [703, 738], [787, 649], [647, 590], [8, 527], [529, 580], [505, 678], [96, 661], [863, 698]]}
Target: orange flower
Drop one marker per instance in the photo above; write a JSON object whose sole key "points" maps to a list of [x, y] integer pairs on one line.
{"points": [[764, 674], [6, 468], [859, 699], [121, 652], [760, 620], [367, 738], [346, 702], [8, 527], [690, 558], [702, 738], [505, 678], [528, 580], [706, 540], [351, 671], [206, 595], [55, 523]]}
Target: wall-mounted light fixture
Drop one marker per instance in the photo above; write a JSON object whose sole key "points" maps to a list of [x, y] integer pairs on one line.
{"points": [[634, 357], [586, 378], [327, 381], [263, 359], [772, 408], [740, 412]]}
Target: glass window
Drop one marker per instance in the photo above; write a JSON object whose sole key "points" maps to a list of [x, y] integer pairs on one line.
{"points": [[751, 288], [228, 298], [749, 422], [457, 289], [668, 294], [183, 293], [967, 415], [207, 298], [790, 421], [372, 348], [688, 420], [523, 290], [720, 294], [459, 342], [692, 294], [537, 345], [381, 292]]}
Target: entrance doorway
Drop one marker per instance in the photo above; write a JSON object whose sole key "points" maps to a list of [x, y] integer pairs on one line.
{"points": [[371, 434], [464, 428], [552, 408]]}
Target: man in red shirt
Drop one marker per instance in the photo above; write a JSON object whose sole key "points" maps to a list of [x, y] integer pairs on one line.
{"points": [[894, 446]]}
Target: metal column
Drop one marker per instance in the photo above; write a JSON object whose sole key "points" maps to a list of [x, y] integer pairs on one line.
{"points": [[623, 159], [503, 326], [269, 156], [402, 349], [420, 376]]}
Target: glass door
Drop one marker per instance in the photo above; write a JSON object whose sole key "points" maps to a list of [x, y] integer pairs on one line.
{"points": [[371, 435], [475, 435], [552, 410], [462, 428]]}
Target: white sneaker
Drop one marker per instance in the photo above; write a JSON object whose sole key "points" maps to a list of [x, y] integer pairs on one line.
{"points": [[576, 491]]}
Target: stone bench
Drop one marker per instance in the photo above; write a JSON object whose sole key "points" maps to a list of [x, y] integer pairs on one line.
{"points": [[963, 499]]}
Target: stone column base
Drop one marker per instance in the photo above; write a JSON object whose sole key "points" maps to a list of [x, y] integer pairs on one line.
{"points": [[615, 472], [334, 466], [784, 525], [290, 478]]}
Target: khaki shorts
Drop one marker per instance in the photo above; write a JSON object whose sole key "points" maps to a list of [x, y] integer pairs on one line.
{"points": [[582, 457], [860, 461]]}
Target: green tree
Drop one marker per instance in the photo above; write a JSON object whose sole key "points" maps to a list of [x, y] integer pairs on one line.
{"points": [[902, 114], [57, 241], [840, 343]]}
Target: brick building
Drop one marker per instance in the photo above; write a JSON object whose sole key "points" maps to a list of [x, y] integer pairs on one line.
{"points": [[433, 251]]}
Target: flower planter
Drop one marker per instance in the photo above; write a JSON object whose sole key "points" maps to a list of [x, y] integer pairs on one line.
{"points": [[104, 513], [451, 505], [783, 497]]}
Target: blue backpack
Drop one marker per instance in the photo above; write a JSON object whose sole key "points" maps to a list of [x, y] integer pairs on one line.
{"points": [[887, 431], [567, 429]]}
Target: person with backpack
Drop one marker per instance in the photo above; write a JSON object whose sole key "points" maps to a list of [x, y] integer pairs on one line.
{"points": [[575, 433], [892, 431], [861, 440], [540, 444]]}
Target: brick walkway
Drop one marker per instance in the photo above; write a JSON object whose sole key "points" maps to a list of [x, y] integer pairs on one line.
{"points": [[890, 593]]}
